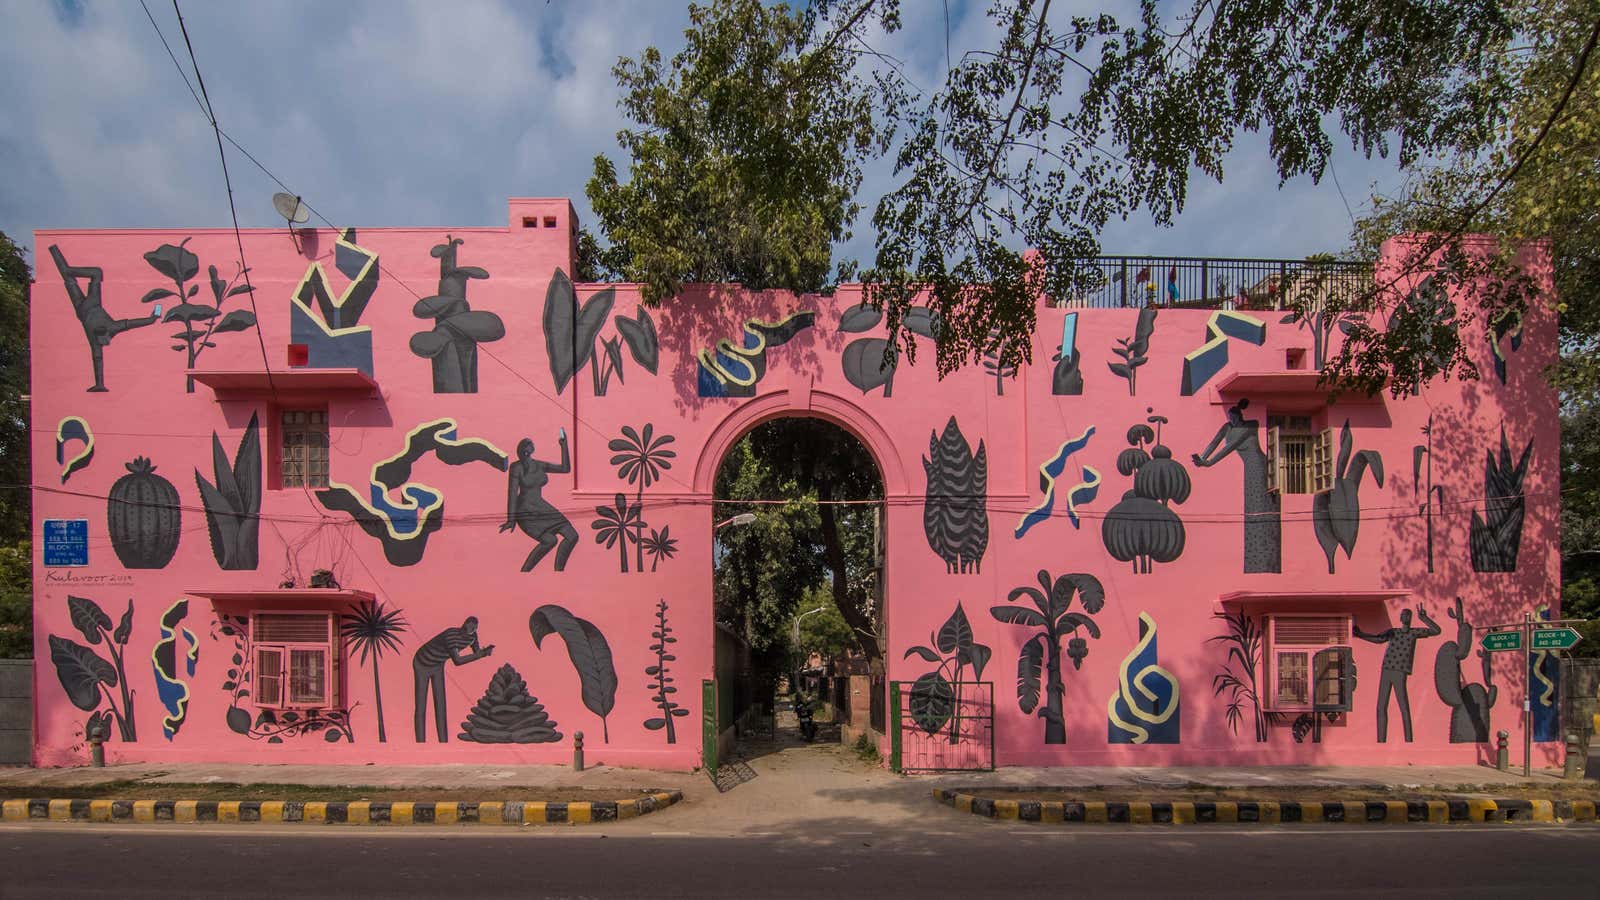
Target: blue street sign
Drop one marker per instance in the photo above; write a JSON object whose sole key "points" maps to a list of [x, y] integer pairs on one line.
{"points": [[66, 542]]}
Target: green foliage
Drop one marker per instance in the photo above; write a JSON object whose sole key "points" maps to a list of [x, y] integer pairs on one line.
{"points": [[744, 160], [15, 278], [825, 633], [16, 600], [867, 751]]}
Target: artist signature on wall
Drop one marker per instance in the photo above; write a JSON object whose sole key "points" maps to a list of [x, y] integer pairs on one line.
{"points": [[69, 577]]}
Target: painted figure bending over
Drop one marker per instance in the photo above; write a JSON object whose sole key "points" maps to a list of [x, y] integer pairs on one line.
{"points": [[527, 509], [1397, 660], [98, 326], [428, 668]]}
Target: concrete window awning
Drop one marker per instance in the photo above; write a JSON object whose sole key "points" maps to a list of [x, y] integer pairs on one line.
{"points": [[314, 598], [299, 381], [1308, 600]]}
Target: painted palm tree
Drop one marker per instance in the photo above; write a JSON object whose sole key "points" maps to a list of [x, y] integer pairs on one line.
{"points": [[619, 525], [1052, 614], [640, 458], [659, 545], [373, 630]]}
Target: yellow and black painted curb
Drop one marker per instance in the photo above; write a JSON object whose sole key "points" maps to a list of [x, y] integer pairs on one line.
{"points": [[1449, 810], [355, 812]]}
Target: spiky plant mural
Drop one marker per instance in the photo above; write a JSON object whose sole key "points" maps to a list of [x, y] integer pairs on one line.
{"points": [[1496, 535], [1336, 514], [955, 518], [662, 685], [233, 503]]}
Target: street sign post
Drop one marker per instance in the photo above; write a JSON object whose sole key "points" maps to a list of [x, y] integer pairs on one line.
{"points": [[1555, 639], [1502, 640]]}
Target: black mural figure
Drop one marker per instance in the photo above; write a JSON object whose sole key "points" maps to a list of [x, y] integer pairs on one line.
{"points": [[955, 517], [1469, 703], [98, 326], [527, 509], [1397, 660], [143, 518], [457, 328], [1263, 525], [428, 667], [1142, 528], [1336, 514], [1496, 536]]}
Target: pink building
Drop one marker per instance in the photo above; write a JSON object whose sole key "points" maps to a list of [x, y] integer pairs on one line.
{"points": [[1188, 552]]}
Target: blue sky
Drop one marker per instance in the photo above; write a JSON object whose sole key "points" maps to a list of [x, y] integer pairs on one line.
{"points": [[383, 112]]}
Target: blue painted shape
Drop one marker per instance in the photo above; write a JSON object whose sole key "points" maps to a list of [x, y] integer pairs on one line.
{"points": [[1144, 710], [66, 542], [1050, 473], [350, 349], [1069, 335]]}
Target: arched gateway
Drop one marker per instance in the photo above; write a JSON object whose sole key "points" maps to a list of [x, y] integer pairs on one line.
{"points": [[488, 492]]}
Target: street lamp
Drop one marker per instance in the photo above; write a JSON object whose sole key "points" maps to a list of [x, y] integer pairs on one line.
{"points": [[740, 519]]}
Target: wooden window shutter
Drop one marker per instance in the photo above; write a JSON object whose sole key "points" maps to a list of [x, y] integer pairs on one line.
{"points": [[1274, 459]]}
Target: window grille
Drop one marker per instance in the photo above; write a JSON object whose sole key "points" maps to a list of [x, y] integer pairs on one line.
{"points": [[303, 449], [1310, 661], [296, 660]]}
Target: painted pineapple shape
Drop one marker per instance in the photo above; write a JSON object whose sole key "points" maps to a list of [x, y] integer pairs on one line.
{"points": [[142, 517]]}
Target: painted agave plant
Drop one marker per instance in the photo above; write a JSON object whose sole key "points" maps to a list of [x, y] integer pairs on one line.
{"points": [[458, 329], [233, 503], [1496, 536], [1336, 514], [1052, 614]]}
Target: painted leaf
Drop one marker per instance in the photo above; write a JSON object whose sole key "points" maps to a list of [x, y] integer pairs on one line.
{"points": [[655, 724], [124, 627], [190, 312], [860, 318], [477, 324], [956, 632], [174, 261], [640, 334], [1118, 369], [588, 651], [157, 294], [976, 656], [436, 307], [613, 348], [1030, 663], [235, 320], [88, 617], [81, 672], [428, 344], [221, 522], [932, 702], [920, 320], [1017, 615], [864, 365], [590, 318], [560, 322], [923, 652]]}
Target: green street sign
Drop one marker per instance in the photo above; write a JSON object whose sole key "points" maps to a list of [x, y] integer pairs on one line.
{"points": [[1555, 639], [1502, 640]]}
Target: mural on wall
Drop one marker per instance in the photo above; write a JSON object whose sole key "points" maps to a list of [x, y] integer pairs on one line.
{"points": [[369, 631], [427, 670], [1144, 708], [1544, 679], [98, 325], [1509, 324], [730, 371], [328, 326], [1205, 361], [402, 513], [590, 656], [142, 517], [640, 458], [1263, 525], [1469, 703], [1238, 676], [1496, 535], [458, 329], [1431, 493], [936, 696], [88, 677], [269, 725], [1083, 492], [572, 336], [1398, 657], [172, 665], [1320, 319], [1056, 620], [1429, 319], [1142, 528], [662, 682], [508, 714], [69, 429], [1336, 514], [1135, 350], [233, 504], [995, 365], [869, 362], [201, 322], [1066, 379], [528, 510], [955, 516]]}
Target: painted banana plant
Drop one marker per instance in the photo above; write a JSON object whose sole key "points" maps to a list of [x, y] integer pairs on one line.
{"points": [[458, 329], [1336, 514], [572, 336], [1055, 620], [233, 503]]}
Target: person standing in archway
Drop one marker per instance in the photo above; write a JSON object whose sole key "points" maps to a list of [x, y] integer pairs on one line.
{"points": [[1397, 660]]}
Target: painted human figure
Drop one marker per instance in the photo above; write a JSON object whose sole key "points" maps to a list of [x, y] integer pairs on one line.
{"points": [[1263, 528], [428, 668], [1397, 660], [527, 509], [98, 326]]}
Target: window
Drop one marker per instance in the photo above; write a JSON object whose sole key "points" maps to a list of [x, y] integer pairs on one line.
{"points": [[296, 660], [303, 448], [1300, 459], [1310, 667]]}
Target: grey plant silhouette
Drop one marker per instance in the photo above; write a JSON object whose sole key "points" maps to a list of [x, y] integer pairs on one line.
{"points": [[373, 630], [1053, 616]]}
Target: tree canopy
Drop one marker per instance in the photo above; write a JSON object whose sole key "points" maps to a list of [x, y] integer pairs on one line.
{"points": [[15, 505]]}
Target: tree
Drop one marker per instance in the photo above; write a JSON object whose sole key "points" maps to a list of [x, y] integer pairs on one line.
{"points": [[744, 160], [373, 630], [16, 600], [825, 633], [1052, 615], [15, 448]]}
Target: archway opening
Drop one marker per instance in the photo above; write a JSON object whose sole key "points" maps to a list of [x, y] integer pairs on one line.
{"points": [[798, 587]]}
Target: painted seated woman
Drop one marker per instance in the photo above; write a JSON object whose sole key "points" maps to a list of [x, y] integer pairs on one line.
{"points": [[527, 509]]}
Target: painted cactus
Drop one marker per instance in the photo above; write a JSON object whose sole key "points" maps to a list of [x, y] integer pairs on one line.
{"points": [[458, 329], [142, 517]]}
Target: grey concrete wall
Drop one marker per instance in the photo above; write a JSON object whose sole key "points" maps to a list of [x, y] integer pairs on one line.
{"points": [[16, 711]]}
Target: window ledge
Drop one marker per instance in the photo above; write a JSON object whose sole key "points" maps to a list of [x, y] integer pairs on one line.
{"points": [[296, 380], [1299, 389], [1292, 600], [316, 596]]}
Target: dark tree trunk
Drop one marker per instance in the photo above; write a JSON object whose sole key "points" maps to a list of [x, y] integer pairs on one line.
{"points": [[1055, 728], [860, 624]]}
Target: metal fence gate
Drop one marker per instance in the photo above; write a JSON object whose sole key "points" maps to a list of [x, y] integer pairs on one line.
{"points": [[944, 727]]}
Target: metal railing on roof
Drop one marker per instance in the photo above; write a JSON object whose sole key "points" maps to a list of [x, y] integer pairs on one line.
{"points": [[1211, 283]]}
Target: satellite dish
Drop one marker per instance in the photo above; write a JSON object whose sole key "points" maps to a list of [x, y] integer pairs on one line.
{"points": [[290, 207]]}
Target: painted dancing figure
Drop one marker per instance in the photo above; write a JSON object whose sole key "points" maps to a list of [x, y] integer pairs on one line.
{"points": [[1397, 660], [527, 509], [98, 326], [428, 667]]}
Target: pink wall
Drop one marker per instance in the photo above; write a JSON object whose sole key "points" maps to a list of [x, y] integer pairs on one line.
{"points": [[470, 567]]}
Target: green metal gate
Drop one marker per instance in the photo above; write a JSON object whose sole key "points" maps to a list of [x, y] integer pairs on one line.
{"points": [[708, 727], [941, 731]]}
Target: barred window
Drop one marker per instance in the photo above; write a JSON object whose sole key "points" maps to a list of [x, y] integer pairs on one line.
{"points": [[304, 448]]}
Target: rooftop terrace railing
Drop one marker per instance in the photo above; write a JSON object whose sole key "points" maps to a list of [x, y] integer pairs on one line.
{"points": [[1212, 283]]}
